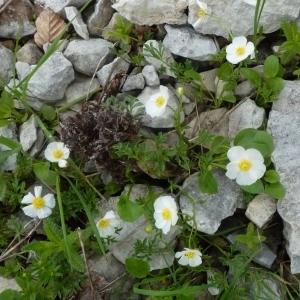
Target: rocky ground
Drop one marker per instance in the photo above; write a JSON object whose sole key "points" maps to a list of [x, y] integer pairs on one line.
{"points": [[84, 63]]}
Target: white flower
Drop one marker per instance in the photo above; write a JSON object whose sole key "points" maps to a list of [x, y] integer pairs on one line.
{"points": [[165, 213], [62, 163], [189, 257], [246, 166], [239, 50], [108, 224], [156, 105], [40, 207], [203, 11], [251, 2], [57, 151]]}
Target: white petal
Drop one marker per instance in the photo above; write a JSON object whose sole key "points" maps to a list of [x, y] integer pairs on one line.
{"points": [[110, 214], [164, 92], [167, 227], [27, 198], [198, 22], [168, 201], [43, 212], [230, 49], [49, 200], [174, 218], [183, 260], [244, 178], [259, 168], [38, 191], [30, 211], [62, 163], [153, 110], [179, 254], [253, 154], [239, 41], [114, 222], [233, 58], [158, 204], [160, 224], [249, 48], [196, 261], [235, 153]]}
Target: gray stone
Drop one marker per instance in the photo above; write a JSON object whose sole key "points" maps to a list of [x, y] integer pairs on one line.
{"points": [[219, 86], [28, 133], [261, 210], [244, 89], [77, 89], [166, 120], [144, 12], [77, 22], [30, 54], [156, 63], [9, 132], [101, 16], [186, 42], [50, 81], [238, 16], [150, 75], [188, 108], [238, 120], [116, 66], [208, 79], [209, 210], [283, 125], [6, 66], [59, 5], [9, 283], [134, 82], [136, 230], [86, 56], [39, 143], [10, 30], [265, 257]]}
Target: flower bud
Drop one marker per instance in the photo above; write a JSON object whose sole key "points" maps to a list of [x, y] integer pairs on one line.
{"points": [[180, 90], [149, 228]]}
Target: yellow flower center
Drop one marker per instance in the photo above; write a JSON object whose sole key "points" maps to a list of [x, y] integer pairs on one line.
{"points": [[240, 50], [166, 214], [103, 223], [190, 254], [58, 154], [245, 165], [38, 202], [201, 13], [160, 101]]}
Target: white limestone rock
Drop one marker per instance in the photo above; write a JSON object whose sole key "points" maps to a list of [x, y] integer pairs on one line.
{"points": [[8, 283], [6, 65], [78, 24], [28, 133], [30, 54], [186, 42], [144, 12], [238, 16], [134, 82], [59, 5]]}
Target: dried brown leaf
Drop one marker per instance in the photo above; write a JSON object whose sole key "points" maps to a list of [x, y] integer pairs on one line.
{"points": [[48, 25]]}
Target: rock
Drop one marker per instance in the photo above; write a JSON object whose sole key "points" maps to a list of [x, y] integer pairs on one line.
{"points": [[30, 54], [101, 16], [265, 257], [6, 66], [39, 143], [134, 82], [16, 20], [58, 6], [166, 120], [77, 89], [261, 210], [283, 125], [216, 121], [150, 75], [143, 12], [219, 86], [136, 230], [244, 89], [209, 209], [208, 79], [9, 283], [87, 55], [238, 16], [112, 69], [50, 81], [28, 133], [9, 132], [238, 120], [160, 66], [78, 24], [186, 42]]}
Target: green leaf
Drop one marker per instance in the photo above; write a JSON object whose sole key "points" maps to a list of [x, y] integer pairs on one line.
{"points": [[207, 183], [52, 231], [219, 144], [271, 66], [14, 145], [225, 71], [128, 210], [297, 73], [252, 75], [193, 75], [41, 170], [10, 294], [112, 187], [137, 267], [244, 136], [229, 98], [51, 178], [48, 112], [255, 188], [229, 86], [271, 176], [275, 84], [275, 190]]}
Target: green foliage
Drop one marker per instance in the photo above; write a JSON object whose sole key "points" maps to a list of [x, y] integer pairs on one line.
{"points": [[252, 238], [10, 295], [137, 267], [13, 145], [181, 69], [128, 210], [14, 192]]}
